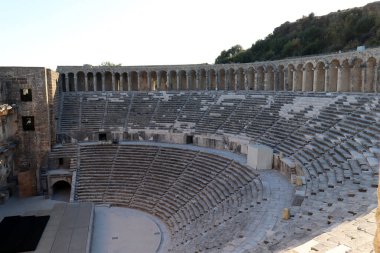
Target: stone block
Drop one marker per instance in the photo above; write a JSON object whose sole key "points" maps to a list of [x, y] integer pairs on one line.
{"points": [[260, 157]]}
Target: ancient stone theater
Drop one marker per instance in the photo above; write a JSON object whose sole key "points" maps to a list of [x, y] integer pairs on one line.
{"points": [[275, 156]]}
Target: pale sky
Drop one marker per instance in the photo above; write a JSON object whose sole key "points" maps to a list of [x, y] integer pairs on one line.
{"points": [[141, 32]]}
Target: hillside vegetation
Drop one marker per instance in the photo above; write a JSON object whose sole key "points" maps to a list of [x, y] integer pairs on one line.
{"points": [[341, 30]]}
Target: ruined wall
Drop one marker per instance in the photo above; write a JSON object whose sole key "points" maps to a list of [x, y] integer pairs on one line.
{"points": [[31, 91]]}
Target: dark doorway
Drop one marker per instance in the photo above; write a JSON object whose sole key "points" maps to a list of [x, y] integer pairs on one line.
{"points": [[61, 191], [189, 139], [102, 137]]}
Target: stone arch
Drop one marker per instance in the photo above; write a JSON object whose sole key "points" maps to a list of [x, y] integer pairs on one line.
{"points": [[251, 78], [369, 85], [222, 79], [63, 81], [332, 82], [269, 78], [134, 81], [240, 79], [319, 77], [297, 78], [99, 81], [162, 80], [108, 81], [212, 77], [280, 85], [344, 77], [308, 77], [230, 78], [143, 81], [202, 79], [172, 80], [153, 81], [356, 75], [191, 80], [118, 86], [124, 83], [260, 78], [290, 79], [80, 81], [71, 81], [182, 80], [61, 190], [90, 81]]}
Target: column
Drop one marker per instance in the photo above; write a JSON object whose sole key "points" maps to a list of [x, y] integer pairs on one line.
{"points": [[129, 81], [95, 82], [75, 83], [197, 80], [304, 75], [149, 76], [113, 81], [266, 80], [294, 79], [286, 81], [168, 81], [121, 81], [178, 79], [226, 80], [375, 81], [159, 80], [217, 79], [103, 82], [187, 80], [67, 82], [237, 81], [138, 80], [276, 80], [315, 80], [208, 82], [256, 82], [327, 79], [339, 81], [85, 82], [365, 85]]}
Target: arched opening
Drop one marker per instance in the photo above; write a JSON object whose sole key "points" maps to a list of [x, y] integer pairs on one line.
{"points": [[319, 82], [162, 82], [99, 82], [297, 81], [182, 80], [332, 82], [240, 84], [222, 80], [90, 81], [108, 81], [280, 85], [124, 83], [260, 78], [191, 79], [143, 80], [250, 79], [269, 79], [212, 77], [153, 81], [308, 77], [369, 85], [80, 81], [356, 75], [172, 81], [344, 79], [230, 79], [71, 82], [61, 191], [62, 79], [202, 79], [134, 81], [117, 82], [291, 72]]}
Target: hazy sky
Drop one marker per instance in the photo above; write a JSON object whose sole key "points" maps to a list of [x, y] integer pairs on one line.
{"points": [[141, 32]]}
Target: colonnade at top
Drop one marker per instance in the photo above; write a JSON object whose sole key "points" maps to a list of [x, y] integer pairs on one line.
{"points": [[359, 72]]}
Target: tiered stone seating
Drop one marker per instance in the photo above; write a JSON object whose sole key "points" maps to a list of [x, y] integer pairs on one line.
{"points": [[116, 110], [142, 110], [93, 108], [70, 112]]}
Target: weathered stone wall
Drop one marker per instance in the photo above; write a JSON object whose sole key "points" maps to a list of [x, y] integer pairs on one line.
{"points": [[33, 145]]}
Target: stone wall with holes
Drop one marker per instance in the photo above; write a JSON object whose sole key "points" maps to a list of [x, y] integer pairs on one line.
{"points": [[30, 91]]}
